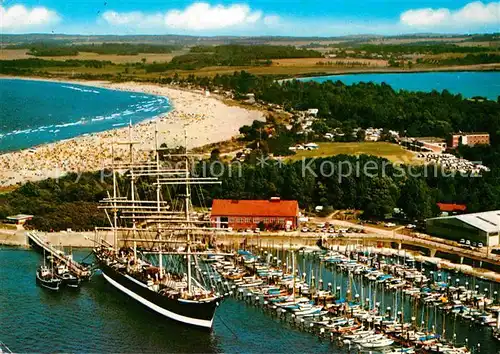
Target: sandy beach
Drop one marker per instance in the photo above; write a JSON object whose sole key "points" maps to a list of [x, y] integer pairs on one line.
{"points": [[205, 119]]}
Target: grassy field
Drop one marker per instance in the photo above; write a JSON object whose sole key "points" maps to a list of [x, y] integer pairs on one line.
{"points": [[392, 152], [308, 62], [11, 54]]}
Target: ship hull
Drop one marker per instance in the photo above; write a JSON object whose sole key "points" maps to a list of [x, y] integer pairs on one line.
{"points": [[193, 313]]}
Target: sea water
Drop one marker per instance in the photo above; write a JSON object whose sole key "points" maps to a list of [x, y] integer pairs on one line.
{"points": [[99, 318], [37, 112], [468, 84]]}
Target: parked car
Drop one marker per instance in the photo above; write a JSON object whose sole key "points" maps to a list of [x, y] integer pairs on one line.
{"points": [[305, 229], [467, 242], [248, 230], [474, 244], [331, 230], [389, 224], [320, 225], [480, 245], [411, 226], [257, 230], [462, 240]]}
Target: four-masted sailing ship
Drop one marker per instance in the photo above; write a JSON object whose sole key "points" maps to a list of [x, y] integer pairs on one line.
{"points": [[159, 239]]}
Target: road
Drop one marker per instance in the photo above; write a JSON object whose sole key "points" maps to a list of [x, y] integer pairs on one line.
{"points": [[417, 239]]}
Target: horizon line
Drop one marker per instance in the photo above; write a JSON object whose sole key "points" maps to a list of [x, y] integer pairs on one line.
{"points": [[416, 34]]}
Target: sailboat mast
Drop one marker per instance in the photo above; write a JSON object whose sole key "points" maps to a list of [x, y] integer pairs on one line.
{"points": [[293, 274], [187, 199], [158, 207]]}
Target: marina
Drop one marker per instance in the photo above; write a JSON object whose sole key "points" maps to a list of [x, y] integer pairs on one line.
{"points": [[431, 321], [164, 257], [240, 316]]}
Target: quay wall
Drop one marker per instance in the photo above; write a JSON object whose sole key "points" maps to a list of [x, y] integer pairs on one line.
{"points": [[292, 240]]}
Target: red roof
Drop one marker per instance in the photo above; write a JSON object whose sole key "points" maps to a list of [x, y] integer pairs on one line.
{"points": [[451, 207], [280, 208]]}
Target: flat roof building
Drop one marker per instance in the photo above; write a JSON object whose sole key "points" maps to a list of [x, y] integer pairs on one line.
{"points": [[470, 139], [19, 219], [477, 227], [249, 214], [451, 208]]}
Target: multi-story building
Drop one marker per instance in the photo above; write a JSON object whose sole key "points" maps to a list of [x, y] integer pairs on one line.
{"points": [[470, 139]]}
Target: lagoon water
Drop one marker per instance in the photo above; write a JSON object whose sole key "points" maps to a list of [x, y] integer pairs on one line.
{"points": [[99, 319], [37, 112], [468, 83]]}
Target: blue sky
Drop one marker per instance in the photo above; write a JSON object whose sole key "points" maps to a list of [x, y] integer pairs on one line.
{"points": [[251, 17]]}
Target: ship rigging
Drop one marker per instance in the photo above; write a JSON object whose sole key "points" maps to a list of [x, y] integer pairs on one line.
{"points": [[157, 241]]}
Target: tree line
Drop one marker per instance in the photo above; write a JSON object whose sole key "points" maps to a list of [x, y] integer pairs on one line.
{"points": [[72, 201], [423, 48], [469, 59], [231, 55], [31, 65], [364, 104], [41, 49]]}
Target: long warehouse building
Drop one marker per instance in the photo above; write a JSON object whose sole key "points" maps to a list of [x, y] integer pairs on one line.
{"points": [[477, 227]]}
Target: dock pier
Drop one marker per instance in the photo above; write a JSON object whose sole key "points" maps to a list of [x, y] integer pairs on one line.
{"points": [[38, 242]]}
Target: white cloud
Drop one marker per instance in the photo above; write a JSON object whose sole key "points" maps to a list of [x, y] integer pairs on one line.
{"points": [[198, 16], [135, 18], [18, 17], [474, 13], [203, 16]]}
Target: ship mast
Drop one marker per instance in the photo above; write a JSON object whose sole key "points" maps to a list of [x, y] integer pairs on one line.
{"points": [[158, 203], [186, 211], [115, 210], [139, 215], [132, 188]]}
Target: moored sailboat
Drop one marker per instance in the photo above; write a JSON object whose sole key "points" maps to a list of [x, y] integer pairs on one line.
{"points": [[164, 278]]}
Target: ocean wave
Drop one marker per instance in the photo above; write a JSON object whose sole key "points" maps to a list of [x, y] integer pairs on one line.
{"points": [[127, 112], [69, 124], [80, 89]]}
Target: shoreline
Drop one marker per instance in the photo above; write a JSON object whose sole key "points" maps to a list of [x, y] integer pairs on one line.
{"points": [[83, 240], [395, 71], [205, 119], [475, 68]]}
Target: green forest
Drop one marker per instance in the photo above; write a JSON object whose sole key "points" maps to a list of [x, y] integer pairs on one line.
{"points": [[28, 66], [469, 59], [422, 48], [365, 104], [72, 201]]}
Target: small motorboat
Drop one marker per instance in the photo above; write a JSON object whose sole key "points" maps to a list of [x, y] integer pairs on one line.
{"points": [[379, 343], [401, 350], [69, 280], [47, 279]]}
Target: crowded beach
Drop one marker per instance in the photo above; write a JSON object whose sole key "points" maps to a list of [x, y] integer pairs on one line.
{"points": [[205, 119]]}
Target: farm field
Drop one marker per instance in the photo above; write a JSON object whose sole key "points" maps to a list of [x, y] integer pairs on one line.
{"points": [[392, 152], [11, 54]]}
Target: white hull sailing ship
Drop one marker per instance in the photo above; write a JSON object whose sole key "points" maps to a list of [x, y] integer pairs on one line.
{"points": [[158, 239]]}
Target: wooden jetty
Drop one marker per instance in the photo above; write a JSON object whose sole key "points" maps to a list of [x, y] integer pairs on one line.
{"points": [[39, 243]]}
